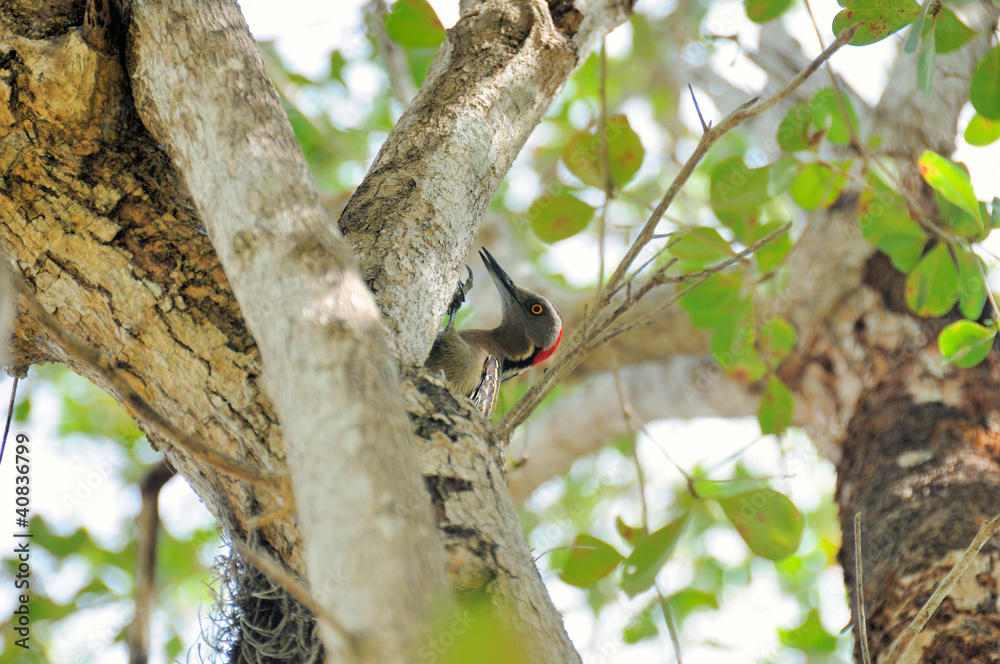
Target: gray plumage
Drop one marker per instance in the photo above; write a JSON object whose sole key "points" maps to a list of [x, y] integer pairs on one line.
{"points": [[529, 331]]}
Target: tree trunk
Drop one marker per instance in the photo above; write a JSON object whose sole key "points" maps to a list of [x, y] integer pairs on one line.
{"points": [[104, 207], [104, 214], [918, 452]]}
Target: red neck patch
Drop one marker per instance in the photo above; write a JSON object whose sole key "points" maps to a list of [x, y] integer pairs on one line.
{"points": [[543, 355]]}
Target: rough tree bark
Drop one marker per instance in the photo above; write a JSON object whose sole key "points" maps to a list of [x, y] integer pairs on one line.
{"points": [[101, 212], [915, 441], [348, 442], [918, 441], [414, 216], [99, 220]]}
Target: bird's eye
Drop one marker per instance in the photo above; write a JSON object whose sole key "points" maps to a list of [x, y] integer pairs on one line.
{"points": [[537, 309]]}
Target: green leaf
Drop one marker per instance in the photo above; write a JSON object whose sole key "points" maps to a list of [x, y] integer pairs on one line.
{"points": [[649, 556], [958, 221], [589, 564], [951, 180], [984, 88], [995, 213], [630, 534], [582, 154], [767, 520], [925, 65], [966, 343], [817, 187], [878, 18], [559, 215], [932, 288], [762, 11], [886, 223], [22, 410], [413, 24], [701, 247], [711, 300], [748, 367], [299, 79], [917, 29], [472, 632], [982, 131], [419, 63], [174, 647], [738, 192], [772, 254], [950, 33], [337, 64], [90, 411], [810, 636], [973, 290], [686, 601], [625, 150], [793, 132], [782, 174], [827, 115], [734, 336], [642, 626], [59, 546], [776, 407], [776, 340]]}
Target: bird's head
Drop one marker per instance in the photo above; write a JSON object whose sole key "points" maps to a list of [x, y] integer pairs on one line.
{"points": [[530, 324]]}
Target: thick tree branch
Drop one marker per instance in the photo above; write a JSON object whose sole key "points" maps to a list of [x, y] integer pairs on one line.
{"points": [[107, 238], [413, 219], [350, 448], [93, 217]]}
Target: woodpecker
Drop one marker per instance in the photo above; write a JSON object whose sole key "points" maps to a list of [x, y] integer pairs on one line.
{"points": [[475, 362]]}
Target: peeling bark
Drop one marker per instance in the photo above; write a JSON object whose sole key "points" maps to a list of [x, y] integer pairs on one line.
{"points": [[100, 226], [465, 470], [924, 476]]}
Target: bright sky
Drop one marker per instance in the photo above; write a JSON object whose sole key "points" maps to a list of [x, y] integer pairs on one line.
{"points": [[306, 43]]}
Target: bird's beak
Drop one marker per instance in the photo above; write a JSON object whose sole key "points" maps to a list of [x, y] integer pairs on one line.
{"points": [[504, 284]]}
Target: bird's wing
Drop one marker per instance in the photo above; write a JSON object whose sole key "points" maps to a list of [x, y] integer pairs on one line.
{"points": [[487, 391]]}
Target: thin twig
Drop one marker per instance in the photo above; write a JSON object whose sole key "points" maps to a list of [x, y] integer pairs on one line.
{"points": [[399, 77], [989, 292], [860, 590], [633, 443], [695, 279], [595, 328], [986, 531], [594, 331], [747, 111], [630, 422], [722, 462], [694, 100], [10, 415], [659, 253], [609, 192], [110, 371], [837, 92], [147, 533], [671, 625], [585, 547]]}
